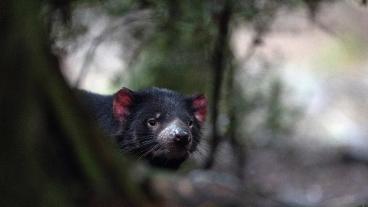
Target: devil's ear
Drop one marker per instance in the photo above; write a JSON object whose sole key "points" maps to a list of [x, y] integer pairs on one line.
{"points": [[199, 104], [122, 100]]}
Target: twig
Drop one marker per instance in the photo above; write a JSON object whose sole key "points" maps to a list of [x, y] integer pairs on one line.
{"points": [[218, 64], [127, 20]]}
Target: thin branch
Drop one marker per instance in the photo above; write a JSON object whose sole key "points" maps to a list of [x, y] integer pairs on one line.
{"points": [[126, 21], [218, 64]]}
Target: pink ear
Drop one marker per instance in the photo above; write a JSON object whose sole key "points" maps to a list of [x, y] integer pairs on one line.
{"points": [[200, 103], [123, 99]]}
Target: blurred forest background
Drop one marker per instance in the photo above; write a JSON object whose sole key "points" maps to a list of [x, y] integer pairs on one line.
{"points": [[287, 83]]}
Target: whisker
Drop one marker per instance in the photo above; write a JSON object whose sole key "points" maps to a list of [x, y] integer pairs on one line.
{"points": [[131, 141], [135, 143], [149, 151]]}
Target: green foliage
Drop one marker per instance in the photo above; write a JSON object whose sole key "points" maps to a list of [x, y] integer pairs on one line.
{"points": [[279, 119], [119, 8], [178, 53]]}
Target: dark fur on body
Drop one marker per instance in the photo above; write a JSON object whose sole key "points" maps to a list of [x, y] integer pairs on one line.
{"points": [[101, 108], [146, 122]]}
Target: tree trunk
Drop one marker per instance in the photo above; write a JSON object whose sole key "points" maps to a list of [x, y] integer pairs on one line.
{"points": [[51, 154]]}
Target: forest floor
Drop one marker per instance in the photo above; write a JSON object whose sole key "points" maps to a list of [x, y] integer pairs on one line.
{"points": [[273, 178]]}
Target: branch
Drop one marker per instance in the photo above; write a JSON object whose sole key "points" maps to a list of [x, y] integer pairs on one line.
{"points": [[218, 65], [126, 22]]}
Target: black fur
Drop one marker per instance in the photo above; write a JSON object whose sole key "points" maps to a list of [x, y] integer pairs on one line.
{"points": [[101, 108], [135, 136]]}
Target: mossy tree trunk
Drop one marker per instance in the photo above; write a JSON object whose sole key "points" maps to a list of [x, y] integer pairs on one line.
{"points": [[51, 154]]}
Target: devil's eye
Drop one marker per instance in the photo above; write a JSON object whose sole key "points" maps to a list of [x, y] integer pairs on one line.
{"points": [[151, 122], [190, 123]]}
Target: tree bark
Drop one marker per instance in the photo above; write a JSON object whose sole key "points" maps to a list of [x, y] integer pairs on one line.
{"points": [[50, 153]]}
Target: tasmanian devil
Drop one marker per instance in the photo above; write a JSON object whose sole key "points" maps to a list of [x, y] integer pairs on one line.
{"points": [[159, 125]]}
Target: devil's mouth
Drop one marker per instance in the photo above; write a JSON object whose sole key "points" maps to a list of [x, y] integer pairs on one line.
{"points": [[173, 152]]}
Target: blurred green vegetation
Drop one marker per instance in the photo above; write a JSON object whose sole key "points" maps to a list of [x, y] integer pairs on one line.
{"points": [[177, 55], [336, 56], [186, 50]]}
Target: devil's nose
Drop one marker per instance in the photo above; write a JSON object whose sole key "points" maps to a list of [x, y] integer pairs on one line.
{"points": [[182, 138]]}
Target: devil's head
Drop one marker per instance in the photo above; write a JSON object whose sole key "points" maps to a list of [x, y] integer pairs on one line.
{"points": [[159, 125]]}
